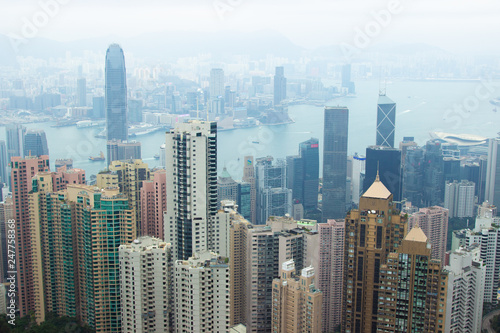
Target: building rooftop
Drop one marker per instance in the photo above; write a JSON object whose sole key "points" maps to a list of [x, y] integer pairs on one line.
{"points": [[416, 234], [377, 190]]}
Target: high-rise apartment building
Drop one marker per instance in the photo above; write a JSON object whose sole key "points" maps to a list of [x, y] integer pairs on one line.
{"points": [[464, 303], [459, 198], [153, 196], [386, 121], [22, 172], [492, 190], [81, 92], [279, 85], [191, 186], [412, 294], [296, 301], [131, 175], [35, 143], [434, 223], [146, 275], [330, 277], [385, 162], [202, 294], [372, 232], [335, 162], [116, 94], [4, 163], [6, 214]]}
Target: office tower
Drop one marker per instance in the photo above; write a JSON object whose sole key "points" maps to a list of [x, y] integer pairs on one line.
{"points": [[15, 140], [331, 271], [386, 162], [464, 303], [481, 184], [4, 163], [249, 177], [279, 85], [81, 91], [492, 189], [216, 82], [131, 175], [245, 200], [451, 169], [358, 176], [296, 301], [135, 110], [459, 198], [153, 195], [335, 162], [6, 214], [434, 223], [191, 186], [295, 178], [120, 151], [412, 290], [98, 107], [386, 121], [22, 172], [433, 174], [147, 261], [35, 143], [116, 94], [309, 152], [202, 293], [347, 85], [227, 187], [372, 232], [53, 249], [413, 176], [407, 143], [273, 198]]}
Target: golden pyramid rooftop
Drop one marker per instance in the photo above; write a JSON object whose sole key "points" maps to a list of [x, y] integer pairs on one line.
{"points": [[416, 234], [377, 190]]}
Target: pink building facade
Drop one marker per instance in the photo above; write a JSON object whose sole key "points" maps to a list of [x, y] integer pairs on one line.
{"points": [[331, 271], [153, 205]]}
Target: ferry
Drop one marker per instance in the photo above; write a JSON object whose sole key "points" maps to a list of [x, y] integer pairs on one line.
{"points": [[97, 158]]}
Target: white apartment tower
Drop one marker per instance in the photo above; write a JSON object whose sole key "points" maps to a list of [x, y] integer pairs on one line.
{"points": [[202, 294], [191, 149], [464, 304], [459, 198], [145, 279]]}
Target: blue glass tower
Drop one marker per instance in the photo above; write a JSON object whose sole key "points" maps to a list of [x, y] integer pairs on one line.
{"points": [[386, 121], [116, 94]]}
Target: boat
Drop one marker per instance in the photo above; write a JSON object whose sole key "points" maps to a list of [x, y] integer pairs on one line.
{"points": [[495, 102], [97, 158], [157, 156], [64, 123]]}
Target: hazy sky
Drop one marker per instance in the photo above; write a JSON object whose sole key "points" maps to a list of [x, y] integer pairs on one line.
{"points": [[456, 25]]}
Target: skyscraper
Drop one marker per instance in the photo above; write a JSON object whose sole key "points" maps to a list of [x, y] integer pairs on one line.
{"points": [[98, 107], [22, 172], [492, 190], [15, 140], [120, 151], [309, 152], [412, 289], [296, 301], [116, 94], [433, 173], [153, 204], [249, 177], [191, 186], [35, 143], [4, 163], [386, 121], [413, 176], [335, 162], [372, 232], [81, 91], [464, 304], [202, 294], [434, 223], [136, 271], [227, 187], [217, 90], [279, 85], [386, 162], [459, 198], [330, 277]]}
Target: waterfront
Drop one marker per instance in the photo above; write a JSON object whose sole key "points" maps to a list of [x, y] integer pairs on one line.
{"points": [[422, 107]]}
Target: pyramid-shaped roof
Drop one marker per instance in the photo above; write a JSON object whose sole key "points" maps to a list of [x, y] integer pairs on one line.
{"points": [[377, 190], [416, 234]]}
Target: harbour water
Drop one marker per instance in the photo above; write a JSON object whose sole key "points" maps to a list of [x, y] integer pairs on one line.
{"points": [[422, 107]]}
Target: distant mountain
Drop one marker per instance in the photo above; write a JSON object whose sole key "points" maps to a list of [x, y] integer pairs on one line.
{"points": [[162, 46]]}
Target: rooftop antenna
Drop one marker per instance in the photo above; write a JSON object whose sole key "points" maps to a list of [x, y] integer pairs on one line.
{"points": [[377, 178]]}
